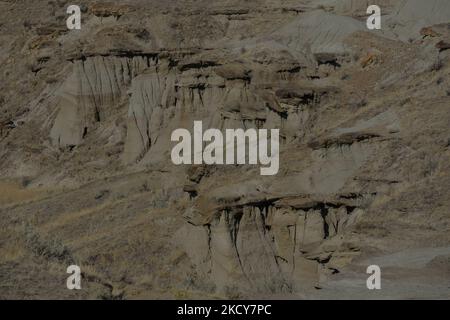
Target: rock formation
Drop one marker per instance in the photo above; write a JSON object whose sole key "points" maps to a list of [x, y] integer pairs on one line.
{"points": [[86, 118]]}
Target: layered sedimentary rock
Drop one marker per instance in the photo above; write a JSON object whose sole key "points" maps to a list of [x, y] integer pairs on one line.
{"points": [[412, 15], [95, 86], [272, 246], [363, 120]]}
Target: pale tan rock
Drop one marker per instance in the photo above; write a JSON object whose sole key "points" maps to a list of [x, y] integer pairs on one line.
{"points": [[86, 119]]}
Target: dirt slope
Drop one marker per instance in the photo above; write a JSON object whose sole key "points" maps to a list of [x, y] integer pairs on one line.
{"points": [[85, 170]]}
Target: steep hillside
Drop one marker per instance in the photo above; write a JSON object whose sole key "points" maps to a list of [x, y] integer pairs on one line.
{"points": [[86, 176]]}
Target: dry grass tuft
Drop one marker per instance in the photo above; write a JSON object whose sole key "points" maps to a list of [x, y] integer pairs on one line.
{"points": [[13, 192]]}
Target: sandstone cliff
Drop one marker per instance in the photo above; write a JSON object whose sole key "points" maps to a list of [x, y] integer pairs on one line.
{"points": [[86, 118]]}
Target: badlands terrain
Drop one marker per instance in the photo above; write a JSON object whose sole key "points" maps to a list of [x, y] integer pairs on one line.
{"points": [[86, 176]]}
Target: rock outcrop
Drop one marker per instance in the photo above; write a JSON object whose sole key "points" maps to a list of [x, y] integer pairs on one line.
{"points": [[95, 86], [364, 148]]}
